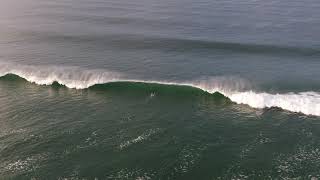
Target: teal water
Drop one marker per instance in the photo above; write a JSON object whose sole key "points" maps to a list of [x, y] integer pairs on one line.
{"points": [[163, 89], [148, 131]]}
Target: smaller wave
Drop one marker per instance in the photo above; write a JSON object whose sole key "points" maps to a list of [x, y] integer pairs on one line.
{"points": [[126, 41], [236, 89]]}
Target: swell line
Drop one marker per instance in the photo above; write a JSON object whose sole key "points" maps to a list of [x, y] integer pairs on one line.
{"points": [[131, 41], [232, 88]]}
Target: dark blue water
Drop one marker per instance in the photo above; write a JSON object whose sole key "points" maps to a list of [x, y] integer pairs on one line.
{"points": [[163, 89]]}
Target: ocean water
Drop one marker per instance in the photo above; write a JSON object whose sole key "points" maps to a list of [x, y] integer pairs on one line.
{"points": [[146, 89]]}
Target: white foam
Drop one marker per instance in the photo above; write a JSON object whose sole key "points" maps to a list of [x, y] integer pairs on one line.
{"points": [[304, 102], [71, 77], [233, 88]]}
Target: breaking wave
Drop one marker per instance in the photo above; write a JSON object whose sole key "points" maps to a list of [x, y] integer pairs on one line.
{"points": [[233, 88]]}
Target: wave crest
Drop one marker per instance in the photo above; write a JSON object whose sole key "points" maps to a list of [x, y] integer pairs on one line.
{"points": [[71, 77], [237, 90]]}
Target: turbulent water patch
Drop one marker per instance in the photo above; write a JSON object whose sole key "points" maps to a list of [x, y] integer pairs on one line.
{"points": [[138, 174], [138, 139], [25, 165]]}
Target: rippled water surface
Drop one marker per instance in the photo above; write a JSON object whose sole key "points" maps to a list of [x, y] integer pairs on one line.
{"points": [[161, 89]]}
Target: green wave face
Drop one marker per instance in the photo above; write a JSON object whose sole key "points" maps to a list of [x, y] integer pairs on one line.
{"points": [[136, 88], [12, 77], [151, 87]]}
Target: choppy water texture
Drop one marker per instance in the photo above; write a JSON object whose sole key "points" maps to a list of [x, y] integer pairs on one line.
{"points": [[163, 89]]}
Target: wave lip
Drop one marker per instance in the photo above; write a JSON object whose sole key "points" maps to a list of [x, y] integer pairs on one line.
{"points": [[71, 77], [233, 88]]}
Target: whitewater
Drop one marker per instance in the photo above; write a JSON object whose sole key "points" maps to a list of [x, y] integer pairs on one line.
{"points": [[78, 78]]}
